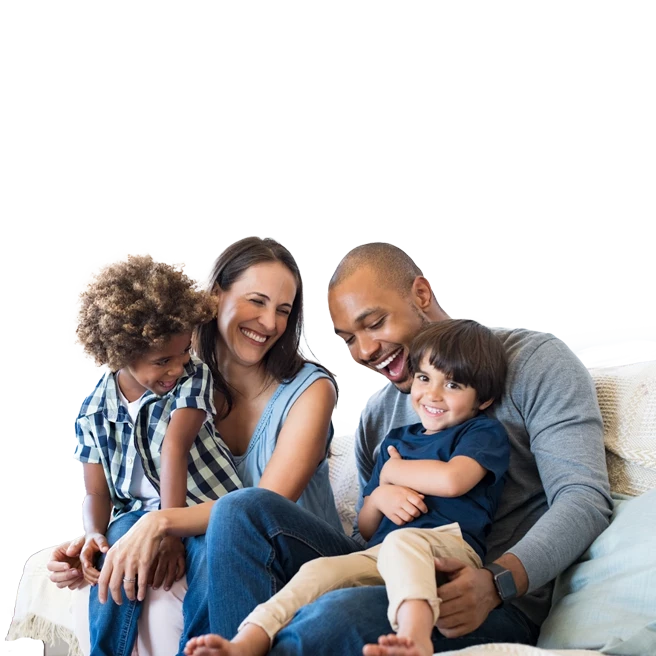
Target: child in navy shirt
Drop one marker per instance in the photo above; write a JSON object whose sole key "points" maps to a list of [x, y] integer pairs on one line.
{"points": [[434, 491]]}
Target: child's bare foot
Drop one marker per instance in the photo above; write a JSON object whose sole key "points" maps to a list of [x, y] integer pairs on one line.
{"points": [[396, 645], [211, 645], [250, 641]]}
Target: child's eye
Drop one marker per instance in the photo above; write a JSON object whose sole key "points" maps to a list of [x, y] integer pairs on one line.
{"points": [[453, 385], [422, 378]]}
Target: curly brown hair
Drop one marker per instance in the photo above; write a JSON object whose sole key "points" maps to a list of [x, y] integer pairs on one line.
{"points": [[134, 306]]}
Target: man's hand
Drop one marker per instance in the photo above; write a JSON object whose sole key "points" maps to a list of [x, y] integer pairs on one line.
{"points": [[94, 543], [467, 597], [65, 566], [169, 563], [399, 504]]}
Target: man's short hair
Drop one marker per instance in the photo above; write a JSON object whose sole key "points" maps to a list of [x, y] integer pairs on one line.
{"points": [[393, 267], [466, 352]]}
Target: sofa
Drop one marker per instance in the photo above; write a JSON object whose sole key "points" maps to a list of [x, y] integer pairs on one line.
{"points": [[604, 603]]}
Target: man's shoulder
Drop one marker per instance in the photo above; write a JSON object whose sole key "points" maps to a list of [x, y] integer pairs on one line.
{"points": [[523, 345]]}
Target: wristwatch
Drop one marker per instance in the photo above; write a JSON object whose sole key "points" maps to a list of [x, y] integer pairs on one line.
{"points": [[503, 581]]}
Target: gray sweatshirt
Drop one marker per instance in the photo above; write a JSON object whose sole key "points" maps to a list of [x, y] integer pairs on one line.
{"points": [[556, 498]]}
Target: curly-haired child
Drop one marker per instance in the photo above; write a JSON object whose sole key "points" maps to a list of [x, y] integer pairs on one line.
{"points": [[146, 434]]}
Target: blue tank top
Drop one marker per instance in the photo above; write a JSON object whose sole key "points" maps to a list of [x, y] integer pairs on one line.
{"points": [[318, 495]]}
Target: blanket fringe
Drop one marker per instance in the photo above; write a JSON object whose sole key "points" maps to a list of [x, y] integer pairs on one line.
{"points": [[38, 628]]}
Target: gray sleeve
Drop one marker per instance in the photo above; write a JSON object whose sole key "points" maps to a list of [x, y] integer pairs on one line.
{"points": [[559, 403]]}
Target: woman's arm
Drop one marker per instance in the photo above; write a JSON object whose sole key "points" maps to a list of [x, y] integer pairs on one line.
{"points": [[301, 443]]}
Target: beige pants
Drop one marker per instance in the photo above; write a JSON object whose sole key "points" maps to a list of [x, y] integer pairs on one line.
{"points": [[403, 562]]}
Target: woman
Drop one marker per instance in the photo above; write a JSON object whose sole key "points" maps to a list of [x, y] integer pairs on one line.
{"points": [[273, 412]]}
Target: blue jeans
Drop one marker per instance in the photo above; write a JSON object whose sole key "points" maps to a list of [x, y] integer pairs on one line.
{"points": [[113, 628], [257, 540]]}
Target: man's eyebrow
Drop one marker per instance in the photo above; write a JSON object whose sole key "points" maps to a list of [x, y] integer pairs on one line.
{"points": [[260, 294], [360, 318]]}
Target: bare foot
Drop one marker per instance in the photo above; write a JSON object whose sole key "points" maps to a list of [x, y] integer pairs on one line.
{"points": [[396, 645], [250, 641], [211, 645]]}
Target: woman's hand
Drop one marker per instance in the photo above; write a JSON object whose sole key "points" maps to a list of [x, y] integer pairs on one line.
{"points": [[399, 504], [128, 562], [65, 566]]}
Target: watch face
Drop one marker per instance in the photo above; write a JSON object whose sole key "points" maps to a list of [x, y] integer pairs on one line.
{"points": [[506, 585]]}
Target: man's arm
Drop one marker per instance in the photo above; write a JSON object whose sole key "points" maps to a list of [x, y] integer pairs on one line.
{"points": [[557, 397]]}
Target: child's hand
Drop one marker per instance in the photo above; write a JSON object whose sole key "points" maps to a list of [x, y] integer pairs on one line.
{"points": [[398, 503], [94, 543], [386, 473], [169, 563], [393, 453]]}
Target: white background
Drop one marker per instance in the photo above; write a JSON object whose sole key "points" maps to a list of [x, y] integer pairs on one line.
{"points": [[509, 148]]}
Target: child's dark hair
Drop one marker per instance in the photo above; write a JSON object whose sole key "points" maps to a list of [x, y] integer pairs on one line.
{"points": [[134, 306], [466, 351]]}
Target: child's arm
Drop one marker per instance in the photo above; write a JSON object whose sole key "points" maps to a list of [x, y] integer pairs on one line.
{"points": [[96, 511], [369, 518], [182, 430], [433, 477]]}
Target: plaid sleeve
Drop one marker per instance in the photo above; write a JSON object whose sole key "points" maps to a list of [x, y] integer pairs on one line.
{"points": [[196, 390], [86, 449]]}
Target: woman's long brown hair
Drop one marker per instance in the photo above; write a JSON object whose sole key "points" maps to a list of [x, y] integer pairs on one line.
{"points": [[284, 360]]}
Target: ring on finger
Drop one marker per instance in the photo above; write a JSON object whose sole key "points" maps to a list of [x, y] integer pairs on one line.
{"points": [[127, 579]]}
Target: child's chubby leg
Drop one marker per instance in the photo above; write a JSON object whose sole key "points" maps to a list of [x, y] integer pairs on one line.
{"points": [[406, 562], [315, 578]]}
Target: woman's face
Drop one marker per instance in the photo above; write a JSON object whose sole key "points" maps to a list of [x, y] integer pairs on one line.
{"points": [[253, 313]]}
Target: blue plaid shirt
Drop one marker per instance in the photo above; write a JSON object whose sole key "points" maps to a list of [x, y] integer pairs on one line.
{"points": [[106, 435]]}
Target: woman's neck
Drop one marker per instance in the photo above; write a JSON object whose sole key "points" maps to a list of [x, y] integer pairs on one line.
{"points": [[248, 381]]}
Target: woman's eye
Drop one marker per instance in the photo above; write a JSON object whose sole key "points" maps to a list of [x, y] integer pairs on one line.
{"points": [[377, 324], [283, 311], [257, 301]]}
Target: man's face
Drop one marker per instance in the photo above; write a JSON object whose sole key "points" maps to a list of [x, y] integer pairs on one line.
{"points": [[377, 323]]}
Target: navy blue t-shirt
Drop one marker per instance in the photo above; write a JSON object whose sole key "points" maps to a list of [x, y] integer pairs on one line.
{"points": [[481, 438]]}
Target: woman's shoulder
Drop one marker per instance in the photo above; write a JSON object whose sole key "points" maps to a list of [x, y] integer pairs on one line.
{"points": [[307, 374], [290, 390]]}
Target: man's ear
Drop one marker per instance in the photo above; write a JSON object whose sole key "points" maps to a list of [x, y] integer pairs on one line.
{"points": [[487, 404], [422, 294]]}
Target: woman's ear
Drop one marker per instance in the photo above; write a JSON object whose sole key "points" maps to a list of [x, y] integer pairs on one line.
{"points": [[487, 404], [217, 294]]}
